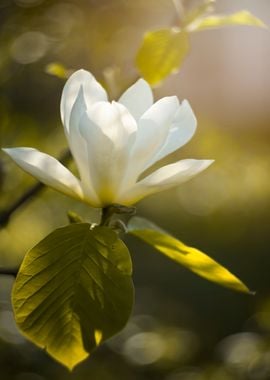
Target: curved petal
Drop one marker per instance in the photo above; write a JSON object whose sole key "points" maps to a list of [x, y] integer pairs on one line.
{"points": [[93, 92], [152, 133], [182, 129], [78, 145], [47, 170], [165, 178], [163, 111], [109, 131], [137, 98], [153, 129]]}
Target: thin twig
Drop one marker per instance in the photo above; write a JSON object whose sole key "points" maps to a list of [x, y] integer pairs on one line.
{"points": [[9, 271], [30, 193], [178, 6]]}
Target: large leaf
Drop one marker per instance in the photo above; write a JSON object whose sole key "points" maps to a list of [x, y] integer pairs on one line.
{"points": [[73, 291], [191, 258], [162, 53], [216, 21]]}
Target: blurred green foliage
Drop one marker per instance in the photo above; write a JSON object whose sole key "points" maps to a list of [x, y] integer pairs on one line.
{"points": [[182, 326], [162, 51]]}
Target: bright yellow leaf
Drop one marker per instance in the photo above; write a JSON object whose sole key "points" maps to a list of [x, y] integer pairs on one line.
{"points": [[216, 21], [191, 258], [162, 53]]}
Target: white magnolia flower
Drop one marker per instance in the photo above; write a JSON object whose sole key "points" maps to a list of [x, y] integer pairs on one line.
{"points": [[113, 143]]}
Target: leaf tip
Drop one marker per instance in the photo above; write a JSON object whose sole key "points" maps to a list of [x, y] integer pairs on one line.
{"points": [[72, 361], [98, 336], [244, 289]]}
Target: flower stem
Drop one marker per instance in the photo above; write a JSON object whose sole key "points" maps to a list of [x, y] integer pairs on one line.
{"points": [[109, 211], [179, 9], [106, 216]]}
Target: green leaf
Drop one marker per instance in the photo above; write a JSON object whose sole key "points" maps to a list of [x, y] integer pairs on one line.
{"points": [[215, 21], [191, 258], [162, 53], [73, 291]]}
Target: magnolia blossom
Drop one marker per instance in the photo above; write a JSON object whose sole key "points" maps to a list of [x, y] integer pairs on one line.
{"points": [[114, 143]]}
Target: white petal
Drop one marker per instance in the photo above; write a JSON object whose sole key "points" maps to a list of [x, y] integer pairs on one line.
{"points": [[78, 145], [182, 129], [163, 111], [153, 129], [152, 133], [137, 98], [114, 120], [47, 170], [109, 131], [165, 178], [93, 92], [78, 108]]}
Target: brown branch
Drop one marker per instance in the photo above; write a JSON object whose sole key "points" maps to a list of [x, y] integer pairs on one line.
{"points": [[9, 271], [30, 193]]}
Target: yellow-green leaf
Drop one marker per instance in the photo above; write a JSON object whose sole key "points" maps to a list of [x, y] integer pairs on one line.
{"points": [[215, 21], [73, 217], [58, 70], [198, 11], [162, 53], [73, 291], [191, 258]]}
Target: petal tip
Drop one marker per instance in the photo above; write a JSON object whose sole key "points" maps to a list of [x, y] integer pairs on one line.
{"points": [[81, 71], [174, 98], [8, 150], [207, 163], [185, 103], [143, 81]]}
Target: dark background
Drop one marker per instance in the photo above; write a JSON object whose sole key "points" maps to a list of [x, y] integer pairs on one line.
{"points": [[183, 328]]}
